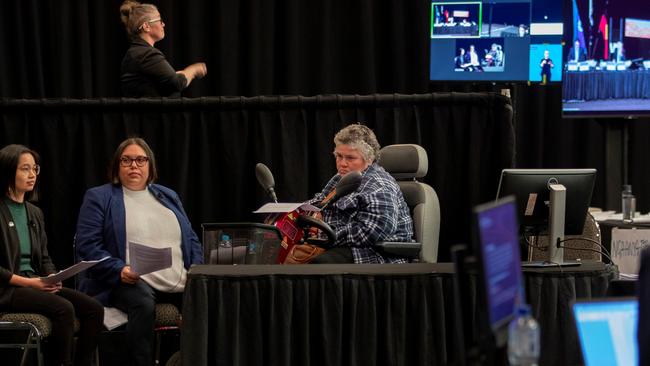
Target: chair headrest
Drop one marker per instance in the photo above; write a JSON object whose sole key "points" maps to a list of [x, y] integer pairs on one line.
{"points": [[404, 160]]}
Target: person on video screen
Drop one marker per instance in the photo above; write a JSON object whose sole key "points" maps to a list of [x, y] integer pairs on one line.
{"points": [[462, 60], [577, 53], [546, 64]]}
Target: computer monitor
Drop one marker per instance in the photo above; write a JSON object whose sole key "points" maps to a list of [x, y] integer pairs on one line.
{"points": [[496, 247], [551, 202], [494, 267], [607, 330], [607, 49]]}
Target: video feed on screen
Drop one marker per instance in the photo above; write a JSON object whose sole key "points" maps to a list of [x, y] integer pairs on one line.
{"points": [[491, 40], [506, 20], [451, 20], [480, 55], [545, 63], [607, 51]]}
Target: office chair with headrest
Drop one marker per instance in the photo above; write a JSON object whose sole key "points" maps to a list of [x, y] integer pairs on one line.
{"points": [[406, 163]]}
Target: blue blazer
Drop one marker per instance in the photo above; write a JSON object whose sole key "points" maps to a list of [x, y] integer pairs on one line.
{"points": [[101, 232]]}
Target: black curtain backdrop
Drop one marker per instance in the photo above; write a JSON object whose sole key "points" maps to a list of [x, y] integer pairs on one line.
{"points": [[73, 49], [207, 148], [53, 48]]}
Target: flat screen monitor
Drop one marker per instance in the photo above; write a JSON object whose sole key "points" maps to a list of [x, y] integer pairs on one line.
{"points": [[531, 187], [497, 40], [607, 53], [607, 331], [496, 246]]}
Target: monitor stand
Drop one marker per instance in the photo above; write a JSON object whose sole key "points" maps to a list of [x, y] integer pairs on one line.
{"points": [[556, 211]]}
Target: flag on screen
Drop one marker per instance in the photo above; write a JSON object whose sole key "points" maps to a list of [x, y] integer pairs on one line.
{"points": [[578, 32], [602, 27]]}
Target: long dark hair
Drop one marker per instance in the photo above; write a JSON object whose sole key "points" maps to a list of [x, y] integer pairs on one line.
{"points": [[9, 158]]}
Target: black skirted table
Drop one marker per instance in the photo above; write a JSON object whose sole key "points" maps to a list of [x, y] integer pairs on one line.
{"points": [[602, 84], [357, 314]]}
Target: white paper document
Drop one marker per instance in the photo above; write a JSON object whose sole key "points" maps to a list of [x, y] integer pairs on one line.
{"points": [[70, 271], [114, 317], [144, 259], [273, 207]]}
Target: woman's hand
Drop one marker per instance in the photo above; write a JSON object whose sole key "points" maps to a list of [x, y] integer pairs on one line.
{"points": [[198, 70], [129, 277], [194, 71], [35, 283]]}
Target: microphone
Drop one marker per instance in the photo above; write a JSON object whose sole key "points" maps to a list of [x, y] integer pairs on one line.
{"points": [[265, 179], [348, 184]]}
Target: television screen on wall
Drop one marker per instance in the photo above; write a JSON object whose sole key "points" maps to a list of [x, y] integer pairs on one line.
{"points": [[497, 40], [607, 53]]}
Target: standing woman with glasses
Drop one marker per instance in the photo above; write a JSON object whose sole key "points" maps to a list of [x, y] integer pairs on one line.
{"points": [[24, 258], [132, 209], [145, 71]]}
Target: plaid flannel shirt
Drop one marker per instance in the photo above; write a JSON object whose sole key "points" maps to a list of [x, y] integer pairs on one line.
{"points": [[375, 212]]}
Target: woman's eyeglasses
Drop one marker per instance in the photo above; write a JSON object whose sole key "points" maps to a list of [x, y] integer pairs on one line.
{"points": [[26, 169], [126, 161]]}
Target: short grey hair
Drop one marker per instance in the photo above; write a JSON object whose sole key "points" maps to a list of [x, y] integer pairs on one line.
{"points": [[362, 139]]}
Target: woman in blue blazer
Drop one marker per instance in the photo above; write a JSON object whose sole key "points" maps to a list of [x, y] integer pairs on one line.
{"points": [[131, 209]]}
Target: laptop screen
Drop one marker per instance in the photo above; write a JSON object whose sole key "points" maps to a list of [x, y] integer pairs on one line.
{"points": [[607, 331]]}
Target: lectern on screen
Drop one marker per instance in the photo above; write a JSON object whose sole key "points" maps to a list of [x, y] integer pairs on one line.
{"points": [[551, 202]]}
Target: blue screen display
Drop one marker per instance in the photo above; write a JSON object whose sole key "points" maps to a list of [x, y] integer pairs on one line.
{"points": [[492, 40], [607, 53], [607, 332], [499, 244]]}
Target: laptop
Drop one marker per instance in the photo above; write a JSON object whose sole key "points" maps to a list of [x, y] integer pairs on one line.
{"points": [[607, 331]]}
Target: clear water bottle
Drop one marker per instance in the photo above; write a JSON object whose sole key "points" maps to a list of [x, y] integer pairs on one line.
{"points": [[225, 241], [628, 204], [523, 339]]}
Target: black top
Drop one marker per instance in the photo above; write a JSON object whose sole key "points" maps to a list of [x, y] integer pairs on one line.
{"points": [[146, 73], [546, 68], [10, 248]]}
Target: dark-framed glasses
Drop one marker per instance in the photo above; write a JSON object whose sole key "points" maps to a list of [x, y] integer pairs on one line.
{"points": [[127, 161], [27, 169]]}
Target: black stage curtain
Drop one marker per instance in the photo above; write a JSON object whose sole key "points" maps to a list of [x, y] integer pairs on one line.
{"points": [[52, 48], [207, 148], [73, 49]]}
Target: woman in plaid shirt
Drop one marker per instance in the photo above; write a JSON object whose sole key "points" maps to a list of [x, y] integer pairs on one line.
{"points": [[375, 212]]}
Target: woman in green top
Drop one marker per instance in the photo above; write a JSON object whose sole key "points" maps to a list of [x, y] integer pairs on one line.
{"points": [[24, 258]]}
